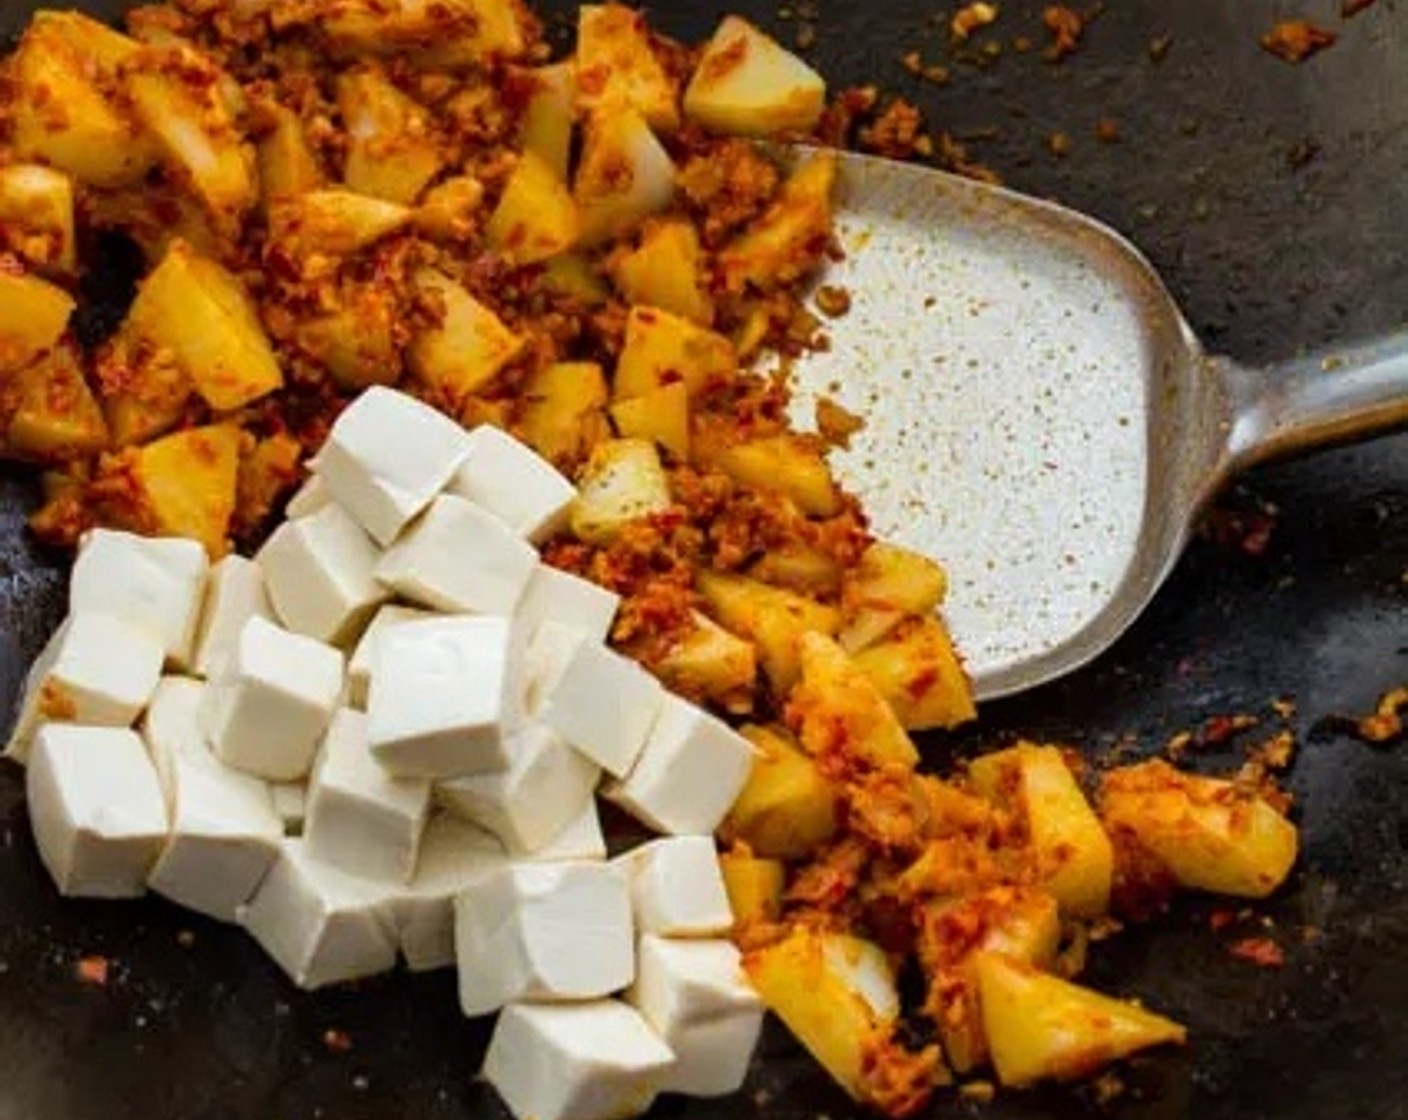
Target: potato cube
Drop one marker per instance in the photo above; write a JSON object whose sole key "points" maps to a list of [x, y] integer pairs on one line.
{"points": [[661, 348], [1073, 857], [549, 113], [792, 465], [890, 583], [286, 165], [773, 618], [918, 672], [33, 317], [186, 484], [661, 415], [392, 151], [800, 567], [1040, 1027], [788, 240], [435, 33], [710, 664], [747, 85], [622, 482], [334, 222], [468, 348], [536, 217], [624, 174], [360, 341], [664, 271], [564, 411], [754, 887], [450, 210], [56, 418], [36, 217], [1212, 834], [787, 808], [839, 711], [145, 391], [617, 64]]}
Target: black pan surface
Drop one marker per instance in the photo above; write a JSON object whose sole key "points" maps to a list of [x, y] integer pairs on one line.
{"points": [[1272, 199]]}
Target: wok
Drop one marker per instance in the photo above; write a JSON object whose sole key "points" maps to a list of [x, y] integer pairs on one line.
{"points": [[1269, 251]]}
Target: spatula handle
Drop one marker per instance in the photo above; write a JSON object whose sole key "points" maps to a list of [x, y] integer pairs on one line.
{"points": [[1336, 396]]}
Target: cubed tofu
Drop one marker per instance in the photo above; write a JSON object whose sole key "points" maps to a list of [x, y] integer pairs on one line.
{"points": [[688, 774], [386, 457], [321, 925], [710, 664], [585, 1061], [564, 411], [454, 855], [772, 618], [622, 482], [513, 482], [458, 557], [745, 84], [694, 994], [469, 346], [311, 496], [96, 809], [551, 648], [789, 239], [55, 417], [611, 735], [290, 805], [889, 584], [919, 673], [95, 669], [553, 595], [677, 889], [661, 348], [444, 696], [333, 222], [664, 270], [363, 659], [536, 217], [544, 932], [319, 574], [840, 714], [34, 315], [792, 465], [549, 113], [393, 150], [235, 593], [546, 787], [788, 808], [37, 217], [623, 177], [270, 702], [360, 818], [582, 838], [617, 65], [156, 584], [172, 731]]}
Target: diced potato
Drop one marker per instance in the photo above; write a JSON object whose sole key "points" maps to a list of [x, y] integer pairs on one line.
{"points": [[664, 271], [467, 349], [33, 317], [549, 114], [617, 64], [334, 222], [536, 217], [800, 567], [889, 584], [790, 237], [748, 85], [787, 809], [836, 993], [773, 618], [201, 313], [710, 664], [574, 276], [360, 342], [754, 887], [622, 482], [186, 482], [178, 95], [36, 217], [432, 33], [792, 465], [917, 670], [145, 390], [52, 413], [59, 112], [624, 175], [661, 348], [286, 165], [661, 414], [1073, 857], [1211, 834], [1040, 1027], [839, 711], [564, 411], [392, 149], [451, 210]]}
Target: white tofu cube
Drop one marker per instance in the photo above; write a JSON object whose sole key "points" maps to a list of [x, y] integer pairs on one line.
{"points": [[96, 809], [268, 707], [695, 996], [172, 731], [550, 650], [359, 668], [321, 925], [689, 774], [677, 889], [155, 583], [386, 457], [95, 669], [546, 787], [604, 705], [290, 805], [361, 819], [308, 498], [513, 482], [224, 837], [318, 570], [459, 557], [580, 838], [454, 855], [543, 931], [556, 596], [234, 594], [445, 697], [586, 1061]]}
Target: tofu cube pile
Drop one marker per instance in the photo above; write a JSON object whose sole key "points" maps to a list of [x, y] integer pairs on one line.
{"points": [[384, 738]]}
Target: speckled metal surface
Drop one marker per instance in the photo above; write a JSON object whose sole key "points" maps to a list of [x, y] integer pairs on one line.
{"points": [[1266, 259]]}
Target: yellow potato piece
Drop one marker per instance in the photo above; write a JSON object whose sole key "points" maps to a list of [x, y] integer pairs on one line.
{"points": [[393, 151], [918, 671], [747, 85], [469, 347], [186, 484], [841, 712], [286, 165], [334, 222], [790, 464], [624, 176], [564, 411], [664, 271], [754, 887], [536, 217], [773, 618], [661, 348], [890, 584], [617, 64], [661, 415], [33, 317], [622, 482], [55, 416], [780, 246], [549, 114], [787, 809], [36, 217]]}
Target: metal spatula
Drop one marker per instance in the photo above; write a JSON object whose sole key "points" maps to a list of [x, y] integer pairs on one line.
{"points": [[1040, 417]]}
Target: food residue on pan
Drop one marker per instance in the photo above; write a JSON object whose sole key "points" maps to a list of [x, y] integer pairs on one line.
{"points": [[1295, 40]]}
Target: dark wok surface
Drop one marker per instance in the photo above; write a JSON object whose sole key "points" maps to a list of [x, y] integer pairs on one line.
{"points": [[1267, 258]]}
